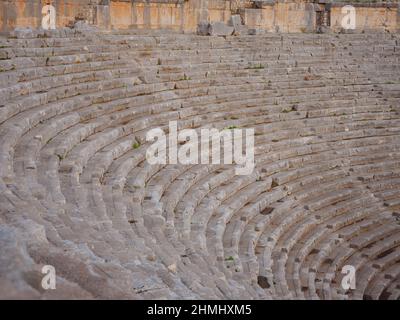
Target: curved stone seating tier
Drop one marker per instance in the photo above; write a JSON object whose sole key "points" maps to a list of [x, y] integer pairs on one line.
{"points": [[78, 193]]}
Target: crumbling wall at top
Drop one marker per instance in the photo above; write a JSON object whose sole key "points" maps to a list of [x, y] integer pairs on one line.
{"points": [[300, 16], [185, 15], [369, 16], [151, 14], [28, 13], [282, 16], [181, 15]]}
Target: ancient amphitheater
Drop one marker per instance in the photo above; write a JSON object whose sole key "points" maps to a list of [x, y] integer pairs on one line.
{"points": [[78, 194]]}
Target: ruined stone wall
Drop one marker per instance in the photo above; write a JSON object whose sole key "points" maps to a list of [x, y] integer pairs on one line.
{"points": [[178, 14], [300, 16], [373, 16], [184, 15], [294, 16], [28, 13], [118, 14]]}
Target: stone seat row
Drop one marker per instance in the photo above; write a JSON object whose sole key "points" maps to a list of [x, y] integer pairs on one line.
{"points": [[78, 160]]}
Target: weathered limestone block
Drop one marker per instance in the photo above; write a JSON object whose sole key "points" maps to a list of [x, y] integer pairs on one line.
{"points": [[83, 26], [220, 29], [154, 221], [256, 31], [203, 28], [103, 16], [324, 29], [236, 23], [24, 33]]}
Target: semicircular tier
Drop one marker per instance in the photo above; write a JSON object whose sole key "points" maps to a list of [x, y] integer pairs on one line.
{"points": [[77, 192]]}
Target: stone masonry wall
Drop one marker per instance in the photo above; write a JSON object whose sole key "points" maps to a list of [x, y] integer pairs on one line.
{"points": [[181, 15], [184, 15], [28, 13], [300, 16], [282, 16], [368, 16]]}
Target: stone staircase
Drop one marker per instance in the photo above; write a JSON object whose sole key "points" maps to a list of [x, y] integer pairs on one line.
{"points": [[77, 192]]}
